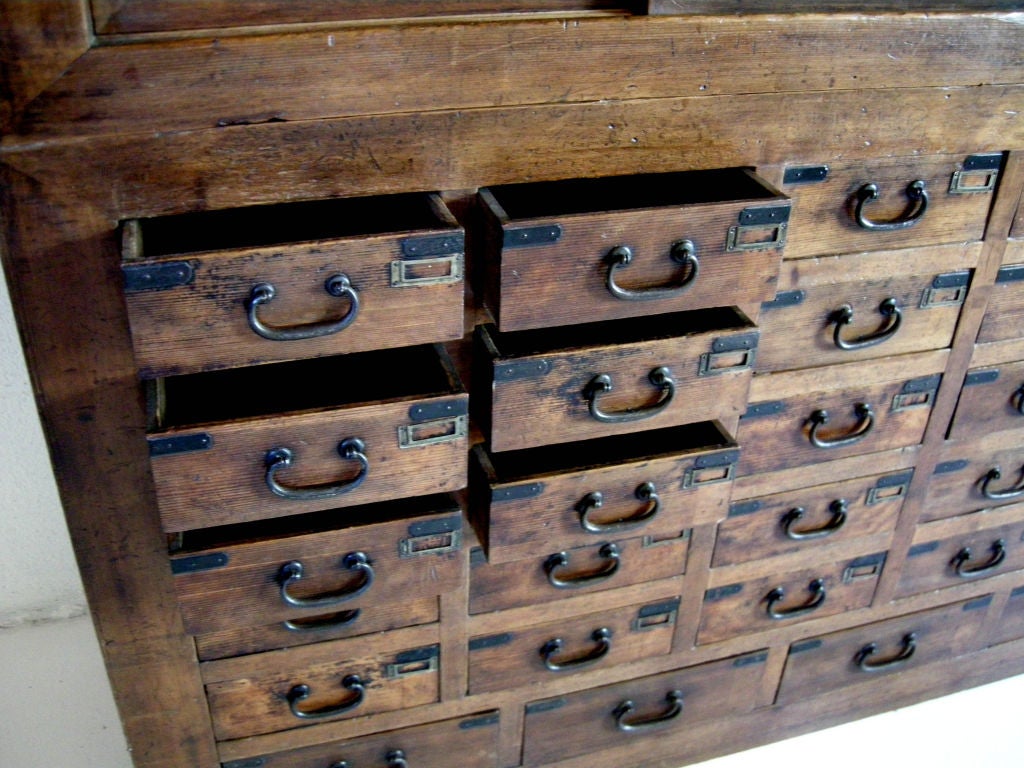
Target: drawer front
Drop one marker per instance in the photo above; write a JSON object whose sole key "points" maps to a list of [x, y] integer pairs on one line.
{"points": [[972, 475], [311, 684], [474, 739], [570, 572], [839, 309], [689, 248], [840, 659], [634, 711], [1004, 315], [764, 603], [889, 203], [801, 520], [1011, 622], [992, 400], [575, 644]]}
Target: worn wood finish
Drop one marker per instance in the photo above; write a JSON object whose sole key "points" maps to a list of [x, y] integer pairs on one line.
{"points": [[1011, 620], [674, 7], [990, 401], [1004, 316], [959, 484]]}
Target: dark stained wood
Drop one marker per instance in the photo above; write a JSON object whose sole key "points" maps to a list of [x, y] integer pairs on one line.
{"points": [[958, 483], [990, 401]]}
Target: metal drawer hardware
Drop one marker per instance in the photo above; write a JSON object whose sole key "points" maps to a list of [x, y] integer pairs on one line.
{"points": [[917, 393], [843, 316], [759, 229], [355, 562], [707, 470], [1018, 396], [660, 377], [805, 174], [646, 492], [395, 758], [560, 560], [817, 589], [554, 646], [350, 449], [639, 725], [863, 657], [524, 237], [157, 277], [889, 488], [947, 290], [962, 558], [784, 299], [838, 508], [916, 194], [415, 662], [323, 623], [865, 423], [336, 285], [198, 563], [166, 446], [975, 378], [1012, 273], [299, 693], [730, 353], [683, 252], [996, 473], [441, 270], [433, 432], [984, 167], [655, 616]]}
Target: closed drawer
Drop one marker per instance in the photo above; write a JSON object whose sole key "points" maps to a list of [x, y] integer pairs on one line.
{"points": [[653, 483], [255, 443], [816, 415], [889, 203], [766, 602], [557, 575], [228, 288], [1004, 315], [838, 309], [474, 739], [297, 687], [353, 561], [595, 641], [588, 250], [834, 661], [805, 519], [992, 400], [634, 711], [984, 472], [1010, 625], [578, 383]]}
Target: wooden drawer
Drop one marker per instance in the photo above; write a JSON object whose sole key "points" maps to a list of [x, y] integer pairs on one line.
{"points": [[578, 383], [297, 687], [765, 602], [237, 287], [635, 711], [319, 566], [571, 645], [842, 308], [949, 552], [985, 472], [834, 210], [1010, 625], [256, 443], [831, 662], [587, 250], [992, 400], [569, 572], [815, 415], [1004, 315], [654, 483], [805, 519], [474, 739]]}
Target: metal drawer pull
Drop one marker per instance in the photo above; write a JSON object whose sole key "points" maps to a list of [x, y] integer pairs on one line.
{"points": [[644, 492], [660, 377], [838, 508], [996, 473], [333, 621], [843, 316], [560, 560], [1018, 396], [353, 561], [553, 647], [863, 657], [299, 693], [336, 285], [621, 712], [963, 557], [916, 194], [817, 590], [395, 758], [865, 422], [350, 449], [682, 252]]}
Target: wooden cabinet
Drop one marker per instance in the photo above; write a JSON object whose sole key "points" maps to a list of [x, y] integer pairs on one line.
{"points": [[547, 383]]}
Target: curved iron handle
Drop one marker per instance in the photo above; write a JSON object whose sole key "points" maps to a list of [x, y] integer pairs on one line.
{"points": [[838, 508], [843, 316], [916, 194], [963, 557], [353, 561], [621, 712], [333, 621], [560, 560], [865, 422], [395, 758], [336, 285], [815, 587], [682, 252], [660, 377], [299, 693], [996, 473], [595, 500], [863, 657], [350, 449], [554, 646]]}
